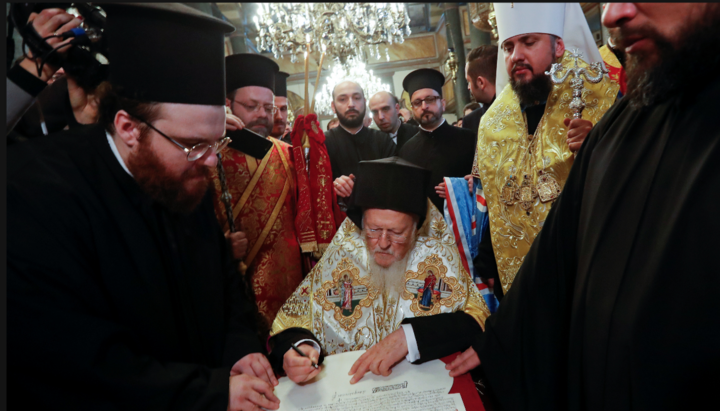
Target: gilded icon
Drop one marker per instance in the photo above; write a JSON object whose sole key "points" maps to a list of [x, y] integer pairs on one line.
{"points": [[430, 288], [346, 294]]}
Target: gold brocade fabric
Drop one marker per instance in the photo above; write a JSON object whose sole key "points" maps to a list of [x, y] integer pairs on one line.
{"points": [[502, 142], [338, 303], [267, 215]]}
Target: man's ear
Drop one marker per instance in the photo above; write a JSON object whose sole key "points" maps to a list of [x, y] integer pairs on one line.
{"points": [[126, 128], [443, 104], [559, 47], [480, 82], [332, 105]]}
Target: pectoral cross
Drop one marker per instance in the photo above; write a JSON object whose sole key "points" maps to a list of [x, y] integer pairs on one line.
{"points": [[577, 105]]}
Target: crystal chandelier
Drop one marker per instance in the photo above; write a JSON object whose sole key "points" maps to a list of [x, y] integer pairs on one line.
{"points": [[353, 70], [339, 29]]}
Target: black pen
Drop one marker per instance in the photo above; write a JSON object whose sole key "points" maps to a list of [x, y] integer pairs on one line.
{"points": [[302, 354]]}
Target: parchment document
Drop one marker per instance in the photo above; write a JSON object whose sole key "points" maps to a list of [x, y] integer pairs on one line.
{"points": [[409, 387]]}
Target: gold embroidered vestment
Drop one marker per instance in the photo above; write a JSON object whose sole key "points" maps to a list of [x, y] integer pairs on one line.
{"points": [[502, 142], [339, 304]]}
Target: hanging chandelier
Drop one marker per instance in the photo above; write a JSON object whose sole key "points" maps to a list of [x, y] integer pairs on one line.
{"points": [[339, 29], [353, 70]]}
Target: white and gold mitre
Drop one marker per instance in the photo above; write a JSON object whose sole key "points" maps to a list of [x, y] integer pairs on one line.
{"points": [[339, 304], [564, 20]]}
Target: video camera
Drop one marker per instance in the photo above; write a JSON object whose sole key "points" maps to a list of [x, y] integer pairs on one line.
{"points": [[85, 60]]}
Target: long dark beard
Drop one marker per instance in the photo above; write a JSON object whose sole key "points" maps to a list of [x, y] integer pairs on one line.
{"points": [[352, 123], [154, 179], [536, 90], [683, 66]]}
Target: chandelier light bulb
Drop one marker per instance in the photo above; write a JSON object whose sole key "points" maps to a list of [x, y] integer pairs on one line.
{"points": [[342, 30], [353, 70]]}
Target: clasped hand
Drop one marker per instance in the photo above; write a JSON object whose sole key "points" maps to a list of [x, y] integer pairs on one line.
{"points": [[251, 384], [344, 185]]}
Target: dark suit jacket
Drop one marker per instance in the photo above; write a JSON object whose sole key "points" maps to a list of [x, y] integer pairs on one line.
{"points": [[472, 120]]}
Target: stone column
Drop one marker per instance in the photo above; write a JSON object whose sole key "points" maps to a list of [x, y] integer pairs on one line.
{"points": [[455, 40], [477, 37]]}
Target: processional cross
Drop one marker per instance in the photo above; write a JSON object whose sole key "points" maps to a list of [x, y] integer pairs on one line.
{"points": [[577, 105]]}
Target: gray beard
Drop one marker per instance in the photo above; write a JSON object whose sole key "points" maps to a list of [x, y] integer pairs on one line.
{"points": [[390, 280]]}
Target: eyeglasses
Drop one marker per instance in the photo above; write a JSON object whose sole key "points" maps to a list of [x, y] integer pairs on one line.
{"points": [[254, 108], [377, 233], [428, 100], [198, 150]]}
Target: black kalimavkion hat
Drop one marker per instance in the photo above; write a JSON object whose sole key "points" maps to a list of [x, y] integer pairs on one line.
{"points": [[247, 69], [423, 78], [391, 184], [166, 52], [281, 84]]}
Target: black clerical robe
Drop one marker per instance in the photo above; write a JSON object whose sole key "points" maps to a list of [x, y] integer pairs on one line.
{"points": [[447, 151], [347, 150], [405, 133], [616, 305], [114, 302]]}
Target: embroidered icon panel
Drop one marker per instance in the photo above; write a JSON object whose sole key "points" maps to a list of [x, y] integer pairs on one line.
{"points": [[430, 288], [346, 294]]}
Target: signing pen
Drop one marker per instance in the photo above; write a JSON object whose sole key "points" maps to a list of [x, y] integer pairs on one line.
{"points": [[302, 354]]}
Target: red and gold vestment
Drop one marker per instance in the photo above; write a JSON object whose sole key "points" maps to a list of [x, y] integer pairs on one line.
{"points": [[264, 207]]}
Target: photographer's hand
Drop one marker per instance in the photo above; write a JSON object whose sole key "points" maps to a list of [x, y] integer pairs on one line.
{"points": [[50, 22], [84, 105]]}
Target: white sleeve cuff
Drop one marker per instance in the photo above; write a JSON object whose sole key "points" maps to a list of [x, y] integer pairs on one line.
{"points": [[413, 352], [314, 344]]}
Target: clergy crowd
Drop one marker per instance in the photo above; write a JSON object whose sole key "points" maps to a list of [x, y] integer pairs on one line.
{"points": [[175, 242]]}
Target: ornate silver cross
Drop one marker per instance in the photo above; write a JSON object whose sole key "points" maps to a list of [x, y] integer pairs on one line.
{"points": [[577, 105]]}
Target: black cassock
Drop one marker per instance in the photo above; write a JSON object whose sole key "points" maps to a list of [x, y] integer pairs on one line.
{"points": [[405, 133], [113, 301], [616, 306], [447, 151], [347, 150]]}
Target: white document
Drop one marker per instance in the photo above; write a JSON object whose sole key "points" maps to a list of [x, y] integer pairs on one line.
{"points": [[409, 387]]}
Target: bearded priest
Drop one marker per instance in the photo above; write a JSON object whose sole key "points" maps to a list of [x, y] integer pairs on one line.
{"points": [[263, 189], [527, 138], [391, 283]]}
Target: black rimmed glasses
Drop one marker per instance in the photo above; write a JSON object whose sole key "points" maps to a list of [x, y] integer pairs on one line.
{"points": [[198, 150], [428, 100]]}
